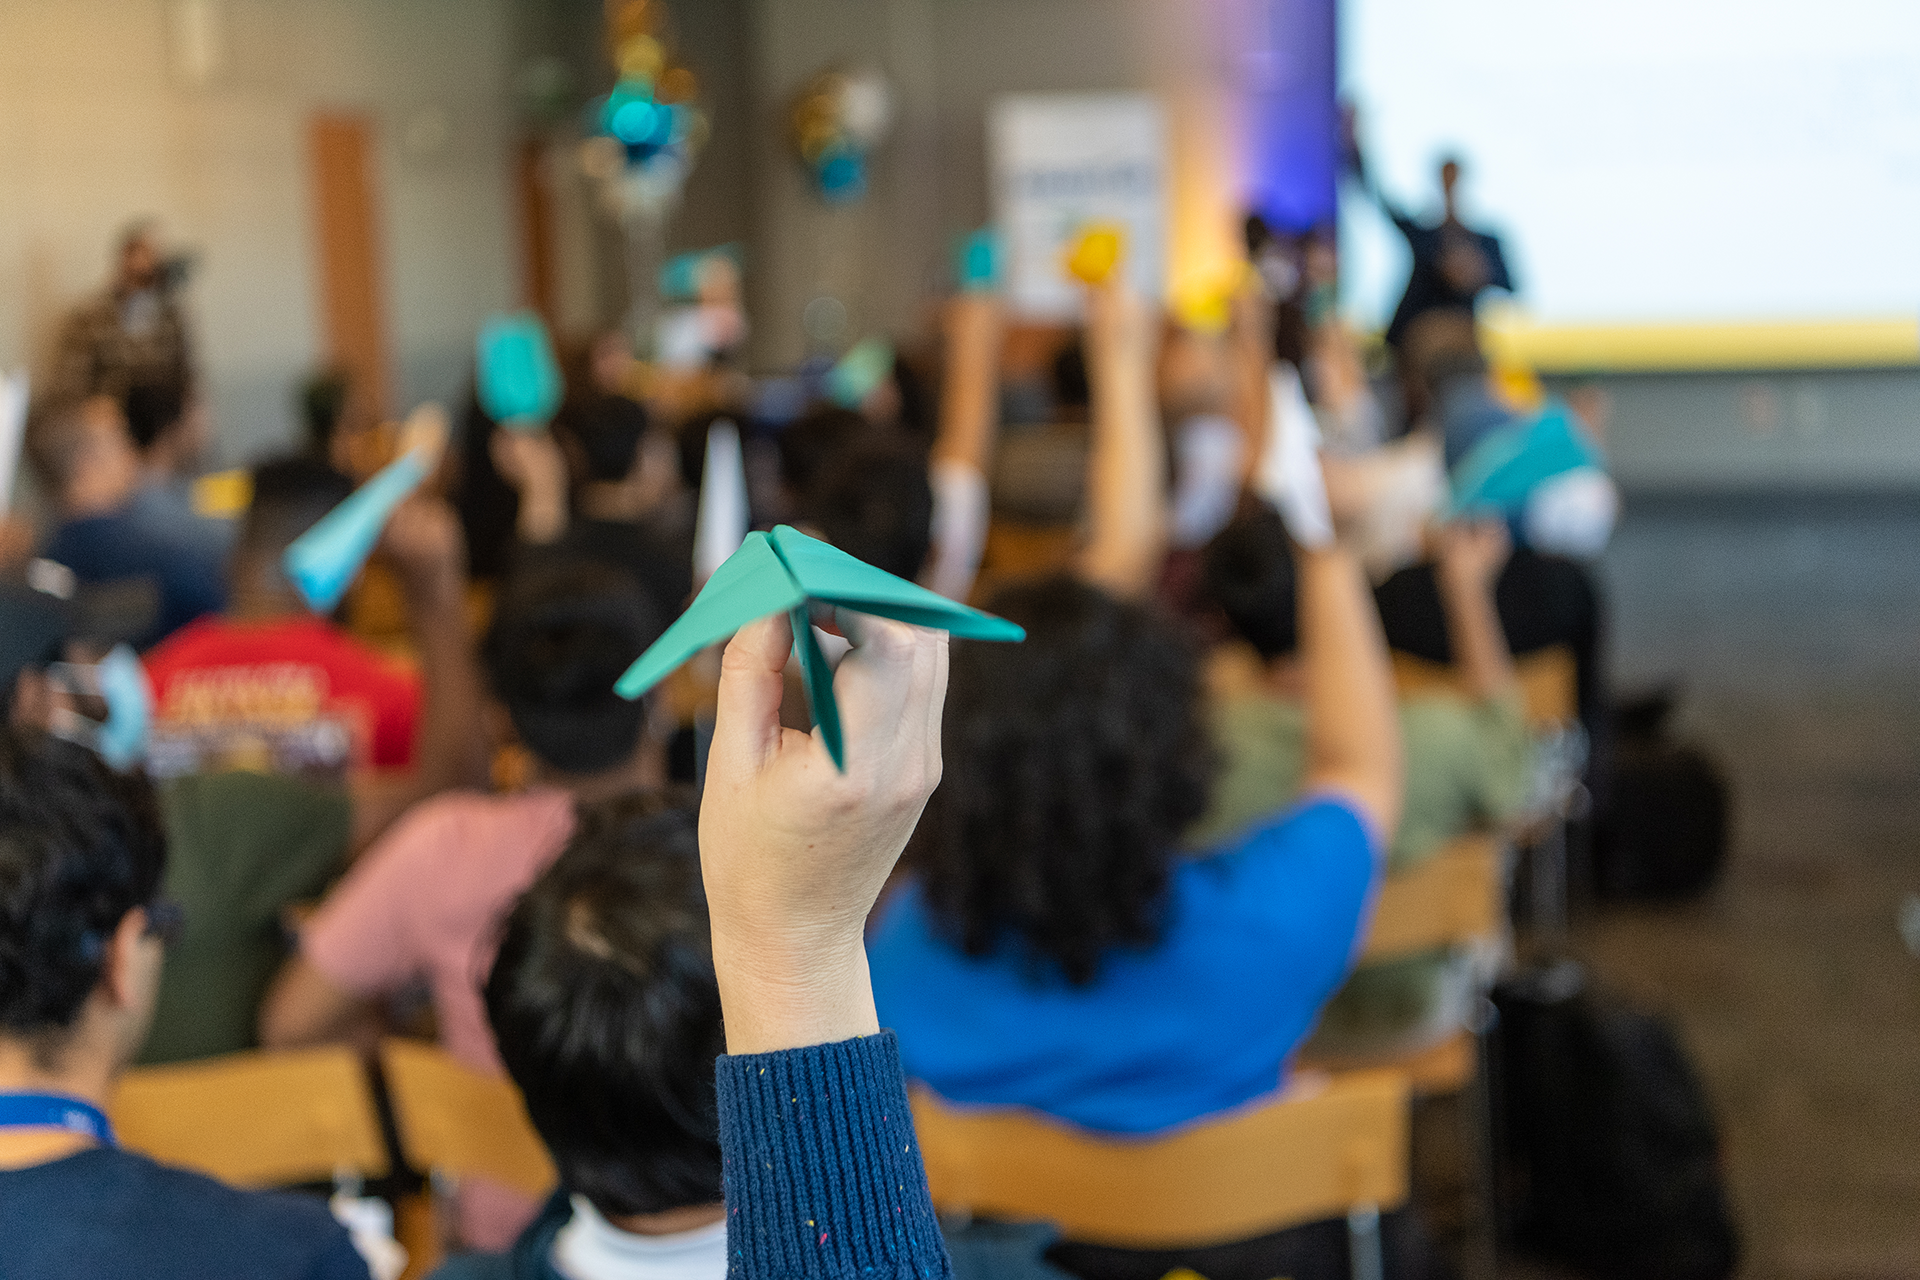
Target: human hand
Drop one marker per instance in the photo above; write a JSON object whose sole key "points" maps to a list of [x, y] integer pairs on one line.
{"points": [[795, 852], [17, 540], [1119, 324], [424, 542], [532, 463], [424, 434], [1469, 554], [971, 321]]}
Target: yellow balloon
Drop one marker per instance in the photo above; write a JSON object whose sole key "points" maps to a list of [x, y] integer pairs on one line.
{"points": [[1095, 251], [641, 58]]}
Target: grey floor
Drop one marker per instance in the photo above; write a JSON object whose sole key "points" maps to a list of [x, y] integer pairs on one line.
{"points": [[1793, 627]]}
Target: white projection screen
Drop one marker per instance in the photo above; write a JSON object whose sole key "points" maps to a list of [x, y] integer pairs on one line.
{"points": [[1678, 183]]}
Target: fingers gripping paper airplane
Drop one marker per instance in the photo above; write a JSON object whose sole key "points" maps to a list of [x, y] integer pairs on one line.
{"points": [[785, 570]]}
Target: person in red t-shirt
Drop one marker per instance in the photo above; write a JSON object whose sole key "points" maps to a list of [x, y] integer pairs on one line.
{"points": [[269, 687]]}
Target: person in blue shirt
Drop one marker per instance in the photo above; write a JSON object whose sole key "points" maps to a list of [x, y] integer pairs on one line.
{"points": [[1053, 947], [82, 931], [111, 530]]}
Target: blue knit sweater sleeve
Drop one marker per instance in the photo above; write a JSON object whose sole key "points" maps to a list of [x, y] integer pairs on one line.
{"points": [[823, 1172]]}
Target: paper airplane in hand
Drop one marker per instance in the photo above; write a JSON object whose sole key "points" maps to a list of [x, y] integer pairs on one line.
{"points": [[519, 381], [323, 562], [783, 571]]}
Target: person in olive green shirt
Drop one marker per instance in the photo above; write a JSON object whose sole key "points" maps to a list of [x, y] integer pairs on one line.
{"points": [[1468, 755], [245, 846]]}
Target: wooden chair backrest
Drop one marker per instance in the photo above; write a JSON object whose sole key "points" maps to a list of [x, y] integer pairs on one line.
{"points": [[258, 1119], [1329, 1144], [1546, 677], [1453, 897], [455, 1120]]}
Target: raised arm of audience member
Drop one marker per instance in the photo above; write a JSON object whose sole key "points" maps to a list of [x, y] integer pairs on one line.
{"points": [[823, 1172], [424, 544], [963, 449], [1127, 469], [1353, 726], [1470, 557], [532, 463], [1249, 355]]}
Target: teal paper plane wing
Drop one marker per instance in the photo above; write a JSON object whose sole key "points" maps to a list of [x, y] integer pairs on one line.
{"points": [[1500, 471], [976, 261], [519, 381], [323, 562], [783, 572], [864, 367]]}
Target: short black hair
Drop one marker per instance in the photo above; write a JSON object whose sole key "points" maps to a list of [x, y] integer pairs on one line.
{"points": [[151, 408], [80, 846], [290, 494], [608, 430], [1073, 763], [1072, 387], [874, 502], [1247, 572], [562, 634], [607, 1013], [323, 402], [810, 443]]}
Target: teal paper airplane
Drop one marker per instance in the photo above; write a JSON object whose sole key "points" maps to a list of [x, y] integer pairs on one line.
{"points": [[784, 570]]}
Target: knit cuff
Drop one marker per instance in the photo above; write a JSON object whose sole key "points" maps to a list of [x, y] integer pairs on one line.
{"points": [[823, 1172]]}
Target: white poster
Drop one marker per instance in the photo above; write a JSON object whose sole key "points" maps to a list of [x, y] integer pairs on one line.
{"points": [[1060, 161]]}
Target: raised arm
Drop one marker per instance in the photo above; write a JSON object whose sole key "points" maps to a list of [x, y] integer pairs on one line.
{"points": [[1249, 353], [963, 450], [1353, 724], [450, 744], [1127, 470], [1471, 555], [531, 462], [823, 1173]]}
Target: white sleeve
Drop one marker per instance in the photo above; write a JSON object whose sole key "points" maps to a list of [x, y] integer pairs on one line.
{"points": [[1288, 473], [1206, 487], [960, 512]]}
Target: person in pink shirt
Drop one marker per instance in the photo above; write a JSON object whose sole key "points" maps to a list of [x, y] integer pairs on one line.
{"points": [[425, 902]]}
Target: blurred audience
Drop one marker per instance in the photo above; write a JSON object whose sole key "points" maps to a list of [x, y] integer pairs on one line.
{"points": [[83, 930], [89, 468], [1467, 755], [423, 903]]}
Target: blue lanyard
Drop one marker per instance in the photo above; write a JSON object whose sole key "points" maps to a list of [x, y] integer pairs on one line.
{"points": [[54, 1111]]}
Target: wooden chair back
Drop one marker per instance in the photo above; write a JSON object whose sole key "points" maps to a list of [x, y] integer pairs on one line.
{"points": [[258, 1119], [1547, 687], [1456, 896], [454, 1120], [1328, 1146]]}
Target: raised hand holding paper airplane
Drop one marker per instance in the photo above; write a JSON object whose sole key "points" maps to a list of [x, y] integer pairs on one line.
{"points": [[13, 432], [518, 380], [1498, 473], [322, 562], [976, 261], [784, 571]]}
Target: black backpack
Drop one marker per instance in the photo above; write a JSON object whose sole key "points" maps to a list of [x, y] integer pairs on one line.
{"points": [[1609, 1157], [1663, 834]]}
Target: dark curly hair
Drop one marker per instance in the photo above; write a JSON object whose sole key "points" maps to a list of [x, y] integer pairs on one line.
{"points": [[1072, 764], [607, 1013], [80, 846], [1248, 572]]}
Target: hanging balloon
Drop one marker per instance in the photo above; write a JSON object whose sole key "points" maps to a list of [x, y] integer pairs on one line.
{"points": [[835, 121]]}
